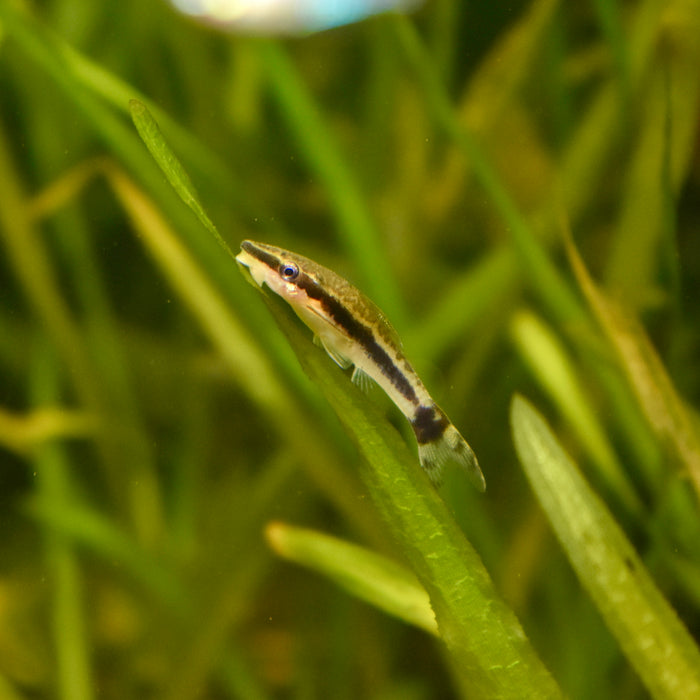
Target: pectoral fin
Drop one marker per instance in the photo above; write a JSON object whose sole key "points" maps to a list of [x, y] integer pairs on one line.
{"points": [[340, 359], [362, 380]]}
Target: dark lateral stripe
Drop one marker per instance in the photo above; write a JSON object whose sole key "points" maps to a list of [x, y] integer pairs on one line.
{"points": [[429, 423], [361, 333], [263, 256]]}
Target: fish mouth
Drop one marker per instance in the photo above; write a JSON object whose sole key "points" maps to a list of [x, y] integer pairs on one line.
{"points": [[248, 265]]}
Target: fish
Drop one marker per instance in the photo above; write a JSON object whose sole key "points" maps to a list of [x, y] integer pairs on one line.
{"points": [[356, 333], [286, 17]]}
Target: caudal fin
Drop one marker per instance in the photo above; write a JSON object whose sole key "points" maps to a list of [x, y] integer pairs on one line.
{"points": [[450, 446]]}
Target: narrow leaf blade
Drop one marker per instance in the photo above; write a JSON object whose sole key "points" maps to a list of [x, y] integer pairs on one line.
{"points": [[363, 573], [487, 645], [646, 627]]}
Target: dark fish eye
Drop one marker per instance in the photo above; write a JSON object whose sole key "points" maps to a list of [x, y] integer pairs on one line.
{"points": [[289, 271]]}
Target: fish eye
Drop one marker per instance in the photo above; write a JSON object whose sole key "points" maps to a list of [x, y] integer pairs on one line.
{"points": [[288, 271]]}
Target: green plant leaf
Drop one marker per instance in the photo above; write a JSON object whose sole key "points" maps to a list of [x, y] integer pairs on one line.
{"points": [[247, 361], [656, 394], [356, 226], [363, 573], [551, 365], [487, 645], [168, 162], [646, 627]]}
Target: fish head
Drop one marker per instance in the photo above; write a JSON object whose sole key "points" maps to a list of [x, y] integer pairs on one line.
{"points": [[278, 269]]}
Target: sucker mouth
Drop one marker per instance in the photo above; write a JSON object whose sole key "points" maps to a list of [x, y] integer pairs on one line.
{"points": [[243, 261]]}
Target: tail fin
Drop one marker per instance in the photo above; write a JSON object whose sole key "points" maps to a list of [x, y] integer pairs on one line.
{"points": [[450, 446]]}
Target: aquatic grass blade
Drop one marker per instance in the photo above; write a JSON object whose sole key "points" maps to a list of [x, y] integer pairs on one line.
{"points": [[655, 392], [486, 643], [173, 170], [648, 630], [554, 369], [356, 226], [363, 573], [64, 571], [542, 274], [248, 363]]}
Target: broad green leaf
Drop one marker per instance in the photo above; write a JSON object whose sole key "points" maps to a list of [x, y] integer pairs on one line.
{"points": [[646, 627], [487, 645]]}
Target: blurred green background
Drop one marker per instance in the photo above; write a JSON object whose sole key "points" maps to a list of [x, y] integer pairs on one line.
{"points": [[153, 419]]}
